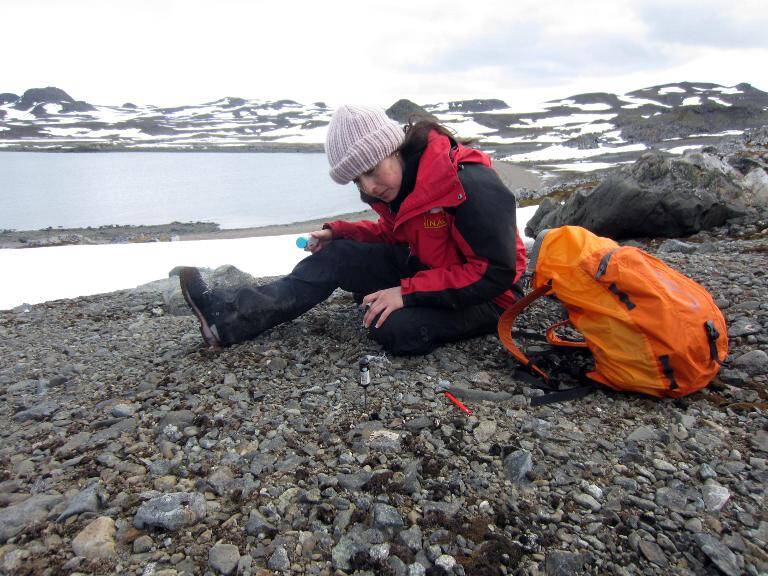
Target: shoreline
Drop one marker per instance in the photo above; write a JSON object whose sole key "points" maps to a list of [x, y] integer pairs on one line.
{"points": [[171, 232]]}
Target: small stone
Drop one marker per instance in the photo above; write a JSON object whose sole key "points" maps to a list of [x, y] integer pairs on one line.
{"points": [[743, 327], [653, 553], [719, 554], [560, 563], [663, 465], [446, 562], [123, 410], [416, 569], [715, 496], [171, 511], [279, 560], [673, 245], [16, 518], [379, 552], [484, 431], [411, 538], [517, 465], [671, 498], [754, 362], [142, 544], [220, 480], [96, 540], [760, 441], [74, 445], [223, 558], [418, 423], [644, 434], [386, 516], [258, 524], [706, 472], [86, 500], [384, 441], [587, 501]]}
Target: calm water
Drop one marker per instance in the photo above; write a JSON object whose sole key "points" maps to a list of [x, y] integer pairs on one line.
{"points": [[236, 190]]}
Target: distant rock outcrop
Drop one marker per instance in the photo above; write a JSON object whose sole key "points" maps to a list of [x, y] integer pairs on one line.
{"points": [[404, 111], [662, 196], [7, 97], [49, 95]]}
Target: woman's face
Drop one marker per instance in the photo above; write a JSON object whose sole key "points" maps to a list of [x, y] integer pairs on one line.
{"points": [[382, 182]]}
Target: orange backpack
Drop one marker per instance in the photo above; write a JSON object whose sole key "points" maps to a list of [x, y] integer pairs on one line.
{"points": [[650, 329]]}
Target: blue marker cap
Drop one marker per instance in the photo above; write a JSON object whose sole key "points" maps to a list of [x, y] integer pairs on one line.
{"points": [[302, 242]]}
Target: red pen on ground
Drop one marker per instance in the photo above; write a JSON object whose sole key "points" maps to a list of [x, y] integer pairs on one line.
{"points": [[457, 402]]}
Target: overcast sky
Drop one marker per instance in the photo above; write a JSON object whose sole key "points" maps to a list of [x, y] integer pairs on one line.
{"points": [[169, 52]]}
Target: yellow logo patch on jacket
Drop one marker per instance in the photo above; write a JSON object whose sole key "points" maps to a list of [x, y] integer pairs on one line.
{"points": [[435, 218]]}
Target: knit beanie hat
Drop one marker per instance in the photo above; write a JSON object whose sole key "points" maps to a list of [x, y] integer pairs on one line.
{"points": [[358, 138]]}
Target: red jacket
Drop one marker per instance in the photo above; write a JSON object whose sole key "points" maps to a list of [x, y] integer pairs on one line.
{"points": [[459, 220]]}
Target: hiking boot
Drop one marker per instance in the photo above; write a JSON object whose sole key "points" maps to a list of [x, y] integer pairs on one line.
{"points": [[198, 295]]}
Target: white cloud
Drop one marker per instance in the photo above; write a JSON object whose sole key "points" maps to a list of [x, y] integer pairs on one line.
{"points": [[170, 52]]}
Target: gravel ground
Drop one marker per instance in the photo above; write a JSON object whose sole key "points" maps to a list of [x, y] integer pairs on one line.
{"points": [[127, 448]]}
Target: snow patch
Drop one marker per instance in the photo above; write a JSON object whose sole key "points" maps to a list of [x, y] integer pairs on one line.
{"points": [[671, 90], [85, 270], [719, 101], [634, 103], [558, 152], [692, 101], [581, 166], [727, 90], [681, 149], [595, 107], [563, 120]]}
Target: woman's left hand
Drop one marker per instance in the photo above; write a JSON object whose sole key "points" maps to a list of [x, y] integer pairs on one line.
{"points": [[383, 302]]}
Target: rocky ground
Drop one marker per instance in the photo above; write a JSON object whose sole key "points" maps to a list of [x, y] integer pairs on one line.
{"points": [[127, 448]]}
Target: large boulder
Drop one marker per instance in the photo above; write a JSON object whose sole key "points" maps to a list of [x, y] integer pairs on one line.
{"points": [[226, 276], [657, 196]]}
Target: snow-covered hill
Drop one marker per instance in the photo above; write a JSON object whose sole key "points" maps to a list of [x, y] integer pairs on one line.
{"points": [[579, 133]]}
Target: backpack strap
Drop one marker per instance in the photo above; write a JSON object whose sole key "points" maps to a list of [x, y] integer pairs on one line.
{"points": [[555, 340], [712, 336], [507, 321]]}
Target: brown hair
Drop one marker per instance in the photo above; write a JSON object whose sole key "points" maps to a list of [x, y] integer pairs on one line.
{"points": [[416, 138]]}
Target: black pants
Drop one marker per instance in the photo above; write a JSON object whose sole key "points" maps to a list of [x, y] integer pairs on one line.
{"points": [[358, 267]]}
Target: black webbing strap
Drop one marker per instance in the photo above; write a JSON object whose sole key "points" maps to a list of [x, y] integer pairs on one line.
{"points": [[622, 296], [712, 336], [563, 395], [668, 371]]}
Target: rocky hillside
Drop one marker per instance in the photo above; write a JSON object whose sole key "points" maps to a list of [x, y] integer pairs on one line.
{"points": [[126, 448], [580, 133]]}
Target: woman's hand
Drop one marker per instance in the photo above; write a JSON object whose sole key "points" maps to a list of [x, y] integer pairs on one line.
{"points": [[383, 302], [321, 238]]}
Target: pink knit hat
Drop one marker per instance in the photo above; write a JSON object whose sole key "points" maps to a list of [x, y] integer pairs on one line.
{"points": [[358, 138]]}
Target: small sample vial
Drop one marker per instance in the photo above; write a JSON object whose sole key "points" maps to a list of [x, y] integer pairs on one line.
{"points": [[365, 378]]}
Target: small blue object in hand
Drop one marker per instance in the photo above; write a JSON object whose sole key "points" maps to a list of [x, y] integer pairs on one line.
{"points": [[305, 241]]}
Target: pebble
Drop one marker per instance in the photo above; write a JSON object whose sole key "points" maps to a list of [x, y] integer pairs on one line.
{"points": [[587, 501], [171, 511], [96, 540], [719, 554], [517, 465], [715, 496], [653, 553], [224, 558]]}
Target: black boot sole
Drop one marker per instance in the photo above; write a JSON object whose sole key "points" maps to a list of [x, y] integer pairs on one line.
{"points": [[186, 276]]}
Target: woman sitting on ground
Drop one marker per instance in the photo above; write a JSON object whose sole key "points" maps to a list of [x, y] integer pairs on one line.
{"points": [[439, 265]]}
